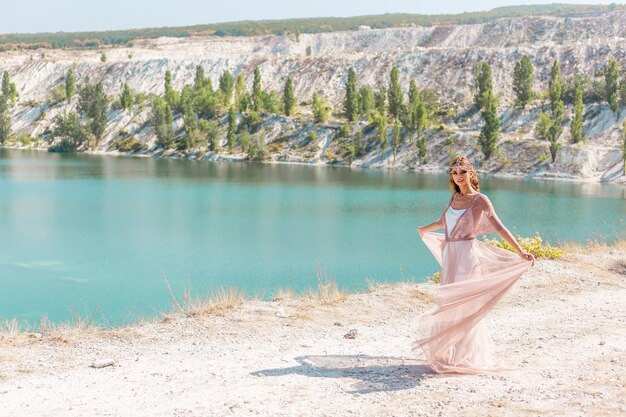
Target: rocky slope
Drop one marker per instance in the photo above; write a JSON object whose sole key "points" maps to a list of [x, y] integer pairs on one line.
{"points": [[440, 58]]}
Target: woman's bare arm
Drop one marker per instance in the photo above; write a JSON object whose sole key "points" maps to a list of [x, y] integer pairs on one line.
{"points": [[508, 237], [430, 227]]}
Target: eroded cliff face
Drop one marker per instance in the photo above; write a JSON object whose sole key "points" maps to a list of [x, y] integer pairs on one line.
{"points": [[440, 58]]}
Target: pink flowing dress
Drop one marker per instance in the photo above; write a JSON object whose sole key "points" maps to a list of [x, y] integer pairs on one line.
{"points": [[453, 338]]}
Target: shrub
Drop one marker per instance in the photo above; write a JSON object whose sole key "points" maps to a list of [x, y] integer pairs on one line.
{"points": [[129, 144], [330, 155], [140, 99], [452, 155], [532, 245], [436, 277], [346, 152], [345, 131], [276, 147], [252, 120], [64, 146], [24, 139], [258, 150], [57, 94]]}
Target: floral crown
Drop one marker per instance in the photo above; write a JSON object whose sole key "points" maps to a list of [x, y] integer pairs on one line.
{"points": [[459, 164]]}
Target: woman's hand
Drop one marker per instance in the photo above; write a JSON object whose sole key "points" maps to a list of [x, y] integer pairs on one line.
{"points": [[422, 230], [528, 257]]}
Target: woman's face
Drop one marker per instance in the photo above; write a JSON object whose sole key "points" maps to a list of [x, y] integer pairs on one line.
{"points": [[460, 176]]}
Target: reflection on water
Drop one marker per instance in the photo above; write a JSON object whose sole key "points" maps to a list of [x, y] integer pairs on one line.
{"points": [[98, 232], [27, 165]]}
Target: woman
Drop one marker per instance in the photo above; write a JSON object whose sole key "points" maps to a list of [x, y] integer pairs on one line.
{"points": [[474, 276]]}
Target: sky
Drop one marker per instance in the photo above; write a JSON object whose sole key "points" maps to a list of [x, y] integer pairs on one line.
{"points": [[34, 16]]}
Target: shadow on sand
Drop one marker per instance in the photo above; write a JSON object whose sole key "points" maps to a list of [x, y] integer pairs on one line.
{"points": [[374, 373]]}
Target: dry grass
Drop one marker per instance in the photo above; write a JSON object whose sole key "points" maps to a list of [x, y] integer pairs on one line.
{"points": [[217, 301], [327, 290], [11, 328], [372, 285], [15, 332], [595, 246], [283, 294], [424, 296], [65, 332]]}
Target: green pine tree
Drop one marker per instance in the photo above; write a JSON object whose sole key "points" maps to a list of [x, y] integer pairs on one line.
{"points": [[397, 138], [257, 91], [320, 108], [394, 95], [523, 77], [227, 84], [9, 90], [381, 128], [171, 96], [417, 113], [126, 98], [190, 125], [199, 79], [555, 129], [421, 119], [5, 120], [577, 122], [414, 101], [366, 101], [289, 98], [162, 120], [99, 111], [622, 91], [380, 100], [624, 145], [489, 133], [211, 131], [70, 85], [482, 85], [422, 150], [231, 137], [67, 126], [351, 101], [245, 140], [272, 102], [611, 78], [555, 85], [93, 104], [240, 92]]}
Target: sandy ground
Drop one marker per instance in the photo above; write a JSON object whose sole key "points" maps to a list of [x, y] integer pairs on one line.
{"points": [[563, 326]]}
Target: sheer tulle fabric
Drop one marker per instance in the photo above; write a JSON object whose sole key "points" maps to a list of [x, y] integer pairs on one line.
{"points": [[474, 277]]}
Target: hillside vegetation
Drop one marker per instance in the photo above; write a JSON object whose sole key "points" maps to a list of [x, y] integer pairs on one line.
{"points": [[530, 96]]}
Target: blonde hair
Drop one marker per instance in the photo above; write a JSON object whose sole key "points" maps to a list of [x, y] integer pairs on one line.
{"points": [[463, 162]]}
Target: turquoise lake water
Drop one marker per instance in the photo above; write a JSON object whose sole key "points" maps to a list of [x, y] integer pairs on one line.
{"points": [[95, 234]]}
